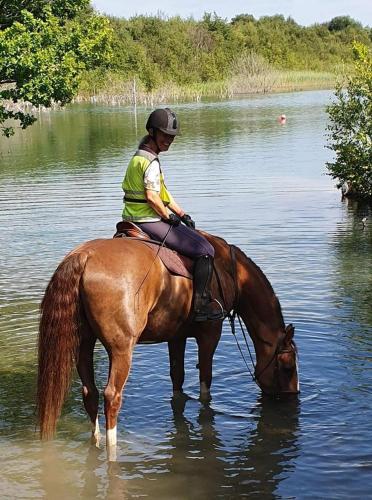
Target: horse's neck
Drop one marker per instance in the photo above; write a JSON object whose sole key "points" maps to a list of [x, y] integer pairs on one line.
{"points": [[258, 305], [246, 288]]}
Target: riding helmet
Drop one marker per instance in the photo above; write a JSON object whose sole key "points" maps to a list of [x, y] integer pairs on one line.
{"points": [[165, 120]]}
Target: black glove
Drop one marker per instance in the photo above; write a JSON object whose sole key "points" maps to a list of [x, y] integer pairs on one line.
{"points": [[173, 220], [187, 220]]}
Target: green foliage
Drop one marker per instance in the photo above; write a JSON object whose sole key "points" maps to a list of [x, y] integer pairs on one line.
{"points": [[41, 58], [342, 22], [350, 129], [242, 18], [159, 51], [11, 10]]}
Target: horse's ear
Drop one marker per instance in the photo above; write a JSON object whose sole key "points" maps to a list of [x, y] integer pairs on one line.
{"points": [[289, 333]]}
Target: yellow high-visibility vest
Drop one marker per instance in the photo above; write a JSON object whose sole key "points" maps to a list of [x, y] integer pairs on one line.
{"points": [[136, 208]]}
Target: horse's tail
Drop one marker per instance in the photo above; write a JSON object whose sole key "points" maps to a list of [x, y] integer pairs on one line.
{"points": [[59, 340]]}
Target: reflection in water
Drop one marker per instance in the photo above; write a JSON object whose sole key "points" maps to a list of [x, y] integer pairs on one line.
{"points": [[251, 459], [271, 450], [201, 463], [17, 397], [353, 246]]}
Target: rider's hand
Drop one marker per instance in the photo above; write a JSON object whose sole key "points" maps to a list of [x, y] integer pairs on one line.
{"points": [[187, 220], [173, 220]]}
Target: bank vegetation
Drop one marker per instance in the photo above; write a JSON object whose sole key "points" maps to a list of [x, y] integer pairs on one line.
{"points": [[158, 59]]}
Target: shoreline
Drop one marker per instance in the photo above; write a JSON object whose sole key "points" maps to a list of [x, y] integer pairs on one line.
{"points": [[116, 91]]}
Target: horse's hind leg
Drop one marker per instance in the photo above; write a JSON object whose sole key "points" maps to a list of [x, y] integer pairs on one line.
{"points": [[176, 349], [86, 373], [120, 362]]}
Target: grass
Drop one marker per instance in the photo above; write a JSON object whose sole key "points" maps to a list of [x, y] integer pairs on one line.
{"points": [[304, 80], [115, 90]]}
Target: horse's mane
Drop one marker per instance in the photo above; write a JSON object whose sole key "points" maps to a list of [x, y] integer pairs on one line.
{"points": [[250, 263], [217, 241]]}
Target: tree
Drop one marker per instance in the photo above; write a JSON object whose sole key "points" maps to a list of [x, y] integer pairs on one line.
{"points": [[11, 10], [350, 128], [243, 18], [43, 55], [340, 23]]}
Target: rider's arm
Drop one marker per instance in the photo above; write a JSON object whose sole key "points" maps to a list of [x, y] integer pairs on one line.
{"points": [[176, 208], [152, 189], [151, 181], [155, 202]]}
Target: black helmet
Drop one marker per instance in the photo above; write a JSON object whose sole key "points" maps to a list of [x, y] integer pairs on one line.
{"points": [[164, 120]]}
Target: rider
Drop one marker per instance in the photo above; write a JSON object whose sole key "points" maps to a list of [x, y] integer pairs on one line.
{"points": [[149, 205]]}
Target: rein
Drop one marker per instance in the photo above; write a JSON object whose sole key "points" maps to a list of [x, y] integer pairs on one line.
{"points": [[234, 314]]}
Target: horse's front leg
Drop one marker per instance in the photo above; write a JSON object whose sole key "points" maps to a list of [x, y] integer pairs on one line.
{"points": [[207, 339], [176, 349]]}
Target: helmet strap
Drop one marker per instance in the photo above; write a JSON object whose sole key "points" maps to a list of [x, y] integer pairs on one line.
{"points": [[153, 134]]}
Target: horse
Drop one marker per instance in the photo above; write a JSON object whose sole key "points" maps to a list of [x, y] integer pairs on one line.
{"points": [[98, 291]]}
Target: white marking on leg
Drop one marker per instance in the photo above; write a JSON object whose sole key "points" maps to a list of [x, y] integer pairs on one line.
{"points": [[96, 434], [111, 437], [298, 376], [112, 453], [95, 428]]}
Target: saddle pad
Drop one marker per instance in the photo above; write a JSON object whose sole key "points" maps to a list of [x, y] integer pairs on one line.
{"points": [[177, 264]]}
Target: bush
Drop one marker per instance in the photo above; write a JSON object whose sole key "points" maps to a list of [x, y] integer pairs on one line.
{"points": [[350, 128]]}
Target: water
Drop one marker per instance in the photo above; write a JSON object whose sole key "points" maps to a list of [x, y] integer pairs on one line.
{"points": [[261, 186]]}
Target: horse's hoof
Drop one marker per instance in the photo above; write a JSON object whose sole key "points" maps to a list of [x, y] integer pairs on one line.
{"points": [[95, 439], [205, 395]]}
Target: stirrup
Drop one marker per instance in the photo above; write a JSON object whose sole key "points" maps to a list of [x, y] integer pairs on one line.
{"points": [[204, 315]]}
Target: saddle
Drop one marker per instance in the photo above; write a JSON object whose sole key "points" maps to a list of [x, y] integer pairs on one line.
{"points": [[177, 264]]}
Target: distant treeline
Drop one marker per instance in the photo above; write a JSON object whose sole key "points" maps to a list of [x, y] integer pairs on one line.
{"points": [[158, 50]]}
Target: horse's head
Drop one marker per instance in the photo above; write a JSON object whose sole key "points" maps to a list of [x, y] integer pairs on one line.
{"points": [[277, 373]]}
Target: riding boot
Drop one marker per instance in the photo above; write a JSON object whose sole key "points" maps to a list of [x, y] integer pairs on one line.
{"points": [[204, 307]]}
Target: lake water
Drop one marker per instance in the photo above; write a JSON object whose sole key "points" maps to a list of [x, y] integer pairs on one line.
{"points": [[261, 186]]}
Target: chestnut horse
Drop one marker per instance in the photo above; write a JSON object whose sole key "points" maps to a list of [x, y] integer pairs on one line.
{"points": [[98, 292]]}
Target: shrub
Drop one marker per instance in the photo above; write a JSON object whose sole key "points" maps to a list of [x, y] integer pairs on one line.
{"points": [[350, 128]]}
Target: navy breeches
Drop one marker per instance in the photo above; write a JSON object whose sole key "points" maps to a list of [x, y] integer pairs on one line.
{"points": [[181, 238]]}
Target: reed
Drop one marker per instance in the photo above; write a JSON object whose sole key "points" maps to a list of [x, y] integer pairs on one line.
{"points": [[304, 80], [247, 77]]}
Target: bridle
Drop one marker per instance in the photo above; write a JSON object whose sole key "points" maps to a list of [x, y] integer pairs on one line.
{"points": [[280, 349], [233, 314]]}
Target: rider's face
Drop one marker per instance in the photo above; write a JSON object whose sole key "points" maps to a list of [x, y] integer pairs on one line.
{"points": [[163, 140]]}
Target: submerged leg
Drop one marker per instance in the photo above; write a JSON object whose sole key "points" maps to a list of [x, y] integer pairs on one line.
{"points": [[90, 392], [207, 341], [120, 363], [176, 349]]}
